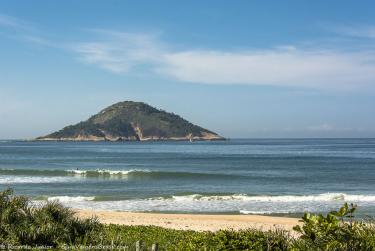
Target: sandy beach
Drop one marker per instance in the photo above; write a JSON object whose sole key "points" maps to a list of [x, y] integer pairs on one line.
{"points": [[197, 222]]}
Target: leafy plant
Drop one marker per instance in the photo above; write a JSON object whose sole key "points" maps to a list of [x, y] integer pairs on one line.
{"points": [[51, 224], [336, 231]]}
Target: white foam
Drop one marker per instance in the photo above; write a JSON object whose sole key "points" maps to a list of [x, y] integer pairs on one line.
{"points": [[116, 172], [198, 197], [325, 197], [239, 203], [105, 171], [67, 199], [76, 171], [362, 198], [257, 212], [32, 179]]}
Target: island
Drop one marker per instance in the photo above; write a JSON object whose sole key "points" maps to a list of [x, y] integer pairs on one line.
{"points": [[132, 121]]}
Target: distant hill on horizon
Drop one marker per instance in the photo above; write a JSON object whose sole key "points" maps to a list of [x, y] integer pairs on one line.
{"points": [[132, 121]]}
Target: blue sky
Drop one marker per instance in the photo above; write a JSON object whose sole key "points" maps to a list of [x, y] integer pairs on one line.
{"points": [[240, 68]]}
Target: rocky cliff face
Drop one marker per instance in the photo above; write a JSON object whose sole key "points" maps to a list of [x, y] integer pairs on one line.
{"points": [[132, 121]]}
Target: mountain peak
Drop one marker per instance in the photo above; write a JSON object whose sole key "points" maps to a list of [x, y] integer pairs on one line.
{"points": [[129, 120]]}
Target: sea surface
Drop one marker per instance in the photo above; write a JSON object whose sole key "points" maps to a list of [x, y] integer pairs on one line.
{"points": [[244, 176]]}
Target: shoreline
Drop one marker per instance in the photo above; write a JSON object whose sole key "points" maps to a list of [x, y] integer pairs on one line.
{"points": [[196, 222], [171, 139]]}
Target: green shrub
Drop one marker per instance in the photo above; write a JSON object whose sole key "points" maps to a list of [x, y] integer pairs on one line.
{"points": [[336, 231], [54, 225], [251, 239], [51, 224]]}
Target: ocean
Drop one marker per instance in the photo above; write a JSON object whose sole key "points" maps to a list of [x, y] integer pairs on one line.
{"points": [[239, 176]]}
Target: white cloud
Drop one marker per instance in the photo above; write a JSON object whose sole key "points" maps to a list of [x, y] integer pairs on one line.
{"points": [[281, 66], [120, 52], [15, 23], [22, 30], [306, 68], [360, 31], [8, 21]]}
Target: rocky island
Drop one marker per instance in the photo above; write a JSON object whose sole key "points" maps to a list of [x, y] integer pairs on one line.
{"points": [[132, 121]]}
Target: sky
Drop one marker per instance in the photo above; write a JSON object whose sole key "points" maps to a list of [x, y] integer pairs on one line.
{"points": [[244, 69]]}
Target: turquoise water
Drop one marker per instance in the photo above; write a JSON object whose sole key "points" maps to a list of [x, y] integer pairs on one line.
{"points": [[270, 176]]}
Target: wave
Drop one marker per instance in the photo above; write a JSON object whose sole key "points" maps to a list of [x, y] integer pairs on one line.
{"points": [[99, 172], [54, 172], [119, 173], [235, 203], [65, 199], [325, 197], [258, 212], [32, 172], [8, 180]]}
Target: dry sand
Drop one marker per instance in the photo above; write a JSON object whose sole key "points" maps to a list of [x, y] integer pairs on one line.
{"points": [[196, 222]]}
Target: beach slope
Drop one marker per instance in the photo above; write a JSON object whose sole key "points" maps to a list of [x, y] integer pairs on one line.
{"points": [[197, 222]]}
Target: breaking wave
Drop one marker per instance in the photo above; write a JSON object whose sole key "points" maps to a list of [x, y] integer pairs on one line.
{"points": [[65, 199], [235, 203], [325, 197], [32, 180], [53, 172], [118, 173], [99, 172]]}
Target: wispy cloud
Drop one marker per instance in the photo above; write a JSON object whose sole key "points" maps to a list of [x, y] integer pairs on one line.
{"points": [[120, 52], [25, 31], [15, 23], [280, 66], [299, 67], [359, 31]]}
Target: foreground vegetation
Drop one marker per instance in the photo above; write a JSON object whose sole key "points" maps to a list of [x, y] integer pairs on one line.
{"points": [[53, 226]]}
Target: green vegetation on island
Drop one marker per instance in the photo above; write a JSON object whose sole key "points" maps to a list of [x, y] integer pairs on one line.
{"points": [[130, 120], [53, 226]]}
